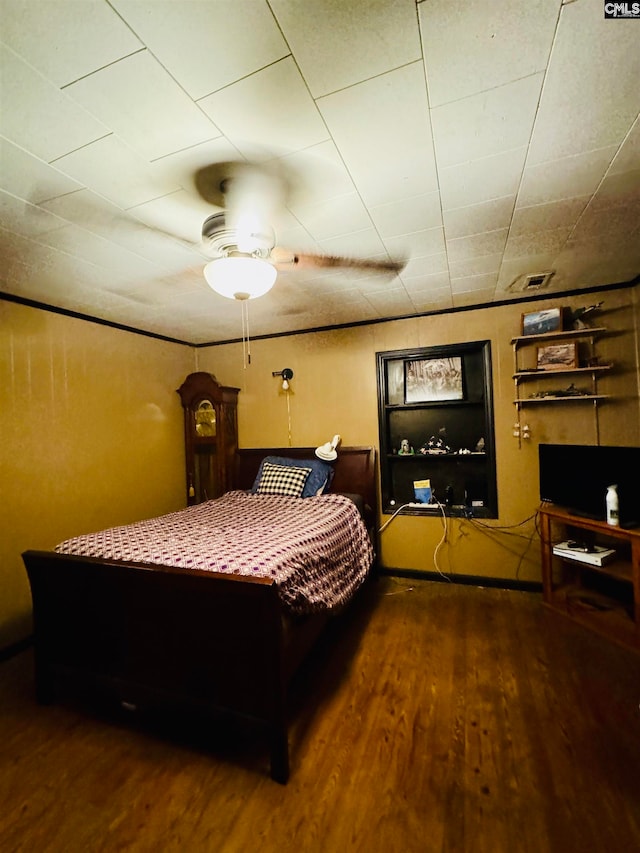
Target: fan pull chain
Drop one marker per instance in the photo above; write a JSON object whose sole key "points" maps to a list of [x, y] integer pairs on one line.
{"points": [[246, 339]]}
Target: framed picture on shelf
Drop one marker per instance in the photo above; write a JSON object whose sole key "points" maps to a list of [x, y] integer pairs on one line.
{"points": [[558, 356], [429, 380], [541, 322]]}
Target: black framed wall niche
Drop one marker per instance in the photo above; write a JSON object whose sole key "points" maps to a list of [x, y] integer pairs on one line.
{"points": [[435, 415]]}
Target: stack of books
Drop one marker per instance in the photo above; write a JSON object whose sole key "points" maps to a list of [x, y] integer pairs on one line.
{"points": [[597, 555]]}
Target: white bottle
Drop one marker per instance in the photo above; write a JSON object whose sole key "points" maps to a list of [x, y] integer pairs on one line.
{"points": [[613, 516]]}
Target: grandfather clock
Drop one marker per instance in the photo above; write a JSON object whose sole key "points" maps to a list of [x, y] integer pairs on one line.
{"points": [[210, 436]]}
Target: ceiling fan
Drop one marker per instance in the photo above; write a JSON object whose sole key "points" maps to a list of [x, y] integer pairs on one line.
{"points": [[241, 239]]}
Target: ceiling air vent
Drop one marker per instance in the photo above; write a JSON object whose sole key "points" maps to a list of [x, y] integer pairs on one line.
{"points": [[535, 281]]}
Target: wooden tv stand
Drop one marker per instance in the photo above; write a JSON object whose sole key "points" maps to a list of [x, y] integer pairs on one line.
{"points": [[605, 599]]}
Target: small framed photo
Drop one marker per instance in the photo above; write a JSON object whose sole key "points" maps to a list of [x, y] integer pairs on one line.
{"points": [[558, 356], [432, 379], [541, 322]]}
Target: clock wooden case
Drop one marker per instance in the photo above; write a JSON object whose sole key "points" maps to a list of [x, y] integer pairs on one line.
{"points": [[210, 436]]}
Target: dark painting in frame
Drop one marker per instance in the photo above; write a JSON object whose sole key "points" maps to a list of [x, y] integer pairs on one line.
{"points": [[542, 322], [562, 356], [428, 380]]}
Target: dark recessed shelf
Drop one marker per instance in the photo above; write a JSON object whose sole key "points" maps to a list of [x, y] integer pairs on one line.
{"points": [[429, 457], [462, 370]]}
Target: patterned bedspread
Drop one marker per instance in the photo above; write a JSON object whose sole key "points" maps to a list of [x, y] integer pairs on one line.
{"points": [[317, 549]]}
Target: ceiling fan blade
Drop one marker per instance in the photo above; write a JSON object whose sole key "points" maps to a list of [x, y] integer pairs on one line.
{"points": [[284, 259]]}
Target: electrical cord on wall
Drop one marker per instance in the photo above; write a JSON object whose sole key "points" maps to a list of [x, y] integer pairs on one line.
{"points": [[445, 533], [389, 520], [507, 530], [440, 543], [482, 527]]}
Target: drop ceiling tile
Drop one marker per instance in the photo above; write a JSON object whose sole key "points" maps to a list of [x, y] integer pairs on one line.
{"points": [[382, 130], [30, 178], [80, 243], [88, 36], [483, 48], [618, 189], [427, 283], [485, 282], [22, 258], [401, 217], [314, 174], [543, 217], [598, 226], [134, 96], [359, 244], [172, 257], [262, 123], [389, 303], [481, 180], [417, 245], [26, 219], [541, 243], [104, 219], [591, 94], [179, 215], [180, 167], [576, 175], [334, 217], [369, 284], [113, 170], [295, 238], [37, 116], [209, 44], [338, 44], [425, 266], [475, 266], [57, 275], [591, 269], [628, 157], [486, 124], [477, 218], [490, 243], [432, 300], [472, 298]]}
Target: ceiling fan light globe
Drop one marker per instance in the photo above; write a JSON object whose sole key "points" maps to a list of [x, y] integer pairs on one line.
{"points": [[240, 278]]}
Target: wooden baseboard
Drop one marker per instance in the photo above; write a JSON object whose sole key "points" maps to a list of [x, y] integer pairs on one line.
{"points": [[471, 580]]}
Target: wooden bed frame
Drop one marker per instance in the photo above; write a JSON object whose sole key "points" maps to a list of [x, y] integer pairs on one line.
{"points": [[156, 636]]}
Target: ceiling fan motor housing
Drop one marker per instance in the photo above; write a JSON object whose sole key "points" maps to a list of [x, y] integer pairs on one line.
{"points": [[223, 241]]}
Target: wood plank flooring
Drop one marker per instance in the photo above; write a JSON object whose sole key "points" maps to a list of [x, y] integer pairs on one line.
{"points": [[436, 717]]}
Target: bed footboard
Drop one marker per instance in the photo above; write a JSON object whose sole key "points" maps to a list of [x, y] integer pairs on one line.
{"points": [[152, 633]]}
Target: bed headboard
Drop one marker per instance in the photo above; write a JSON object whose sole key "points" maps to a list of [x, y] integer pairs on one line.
{"points": [[355, 470]]}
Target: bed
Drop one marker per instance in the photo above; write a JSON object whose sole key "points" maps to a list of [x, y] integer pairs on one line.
{"points": [[150, 634]]}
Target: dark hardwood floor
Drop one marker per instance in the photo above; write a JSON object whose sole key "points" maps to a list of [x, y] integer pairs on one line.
{"points": [[436, 717]]}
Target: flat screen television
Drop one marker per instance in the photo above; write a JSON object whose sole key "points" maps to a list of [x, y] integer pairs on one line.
{"points": [[576, 476]]}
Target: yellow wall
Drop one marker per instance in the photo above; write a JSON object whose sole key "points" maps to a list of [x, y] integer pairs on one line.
{"points": [[91, 427], [334, 389], [91, 436]]}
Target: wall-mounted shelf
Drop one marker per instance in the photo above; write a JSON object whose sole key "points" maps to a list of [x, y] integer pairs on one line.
{"points": [[570, 398], [587, 367], [524, 375], [594, 333]]}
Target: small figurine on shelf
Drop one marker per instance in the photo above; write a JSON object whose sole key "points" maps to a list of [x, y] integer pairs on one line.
{"points": [[436, 446], [480, 445], [405, 448], [577, 316], [570, 391]]}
